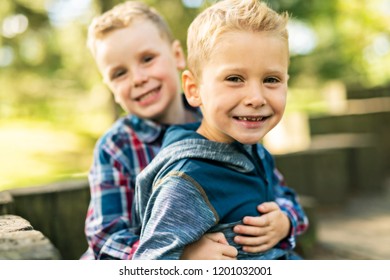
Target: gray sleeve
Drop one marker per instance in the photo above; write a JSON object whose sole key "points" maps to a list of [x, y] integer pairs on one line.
{"points": [[178, 213]]}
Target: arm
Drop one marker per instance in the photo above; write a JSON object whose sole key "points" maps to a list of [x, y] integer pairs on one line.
{"points": [[280, 223], [288, 202], [212, 246], [108, 221], [177, 214], [108, 218]]}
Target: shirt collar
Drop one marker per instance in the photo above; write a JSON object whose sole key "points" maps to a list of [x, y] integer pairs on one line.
{"points": [[149, 131]]}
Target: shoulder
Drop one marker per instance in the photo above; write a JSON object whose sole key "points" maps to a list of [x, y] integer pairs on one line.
{"points": [[117, 135], [177, 133], [120, 143], [194, 170], [264, 154]]}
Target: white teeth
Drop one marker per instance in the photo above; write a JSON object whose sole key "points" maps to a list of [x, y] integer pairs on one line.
{"points": [[252, 119], [146, 95]]}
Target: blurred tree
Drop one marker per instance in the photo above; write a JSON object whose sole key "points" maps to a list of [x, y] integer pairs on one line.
{"points": [[177, 15], [348, 33], [47, 72]]}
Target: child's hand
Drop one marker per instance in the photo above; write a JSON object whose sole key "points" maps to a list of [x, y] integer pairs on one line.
{"points": [[263, 232], [212, 246]]}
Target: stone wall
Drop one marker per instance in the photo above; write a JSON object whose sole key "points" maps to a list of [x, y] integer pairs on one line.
{"points": [[19, 241]]}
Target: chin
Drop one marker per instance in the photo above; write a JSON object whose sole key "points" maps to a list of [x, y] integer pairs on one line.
{"points": [[249, 141], [154, 113]]}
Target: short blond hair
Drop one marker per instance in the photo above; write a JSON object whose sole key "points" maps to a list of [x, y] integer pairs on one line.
{"points": [[226, 16], [121, 16]]}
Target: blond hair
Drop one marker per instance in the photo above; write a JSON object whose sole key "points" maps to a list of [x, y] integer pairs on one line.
{"points": [[226, 16], [121, 16]]}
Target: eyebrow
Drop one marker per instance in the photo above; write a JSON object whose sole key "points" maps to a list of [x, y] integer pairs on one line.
{"points": [[272, 70]]}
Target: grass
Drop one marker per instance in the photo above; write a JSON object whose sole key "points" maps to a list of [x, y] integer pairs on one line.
{"points": [[35, 153]]}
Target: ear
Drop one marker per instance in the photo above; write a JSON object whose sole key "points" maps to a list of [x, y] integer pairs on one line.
{"points": [[178, 53], [191, 89]]}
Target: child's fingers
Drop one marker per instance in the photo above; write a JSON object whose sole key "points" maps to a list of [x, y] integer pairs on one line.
{"points": [[223, 252], [250, 230], [256, 249], [256, 244], [226, 252], [259, 221], [217, 237], [250, 240], [267, 207], [227, 258], [229, 252]]}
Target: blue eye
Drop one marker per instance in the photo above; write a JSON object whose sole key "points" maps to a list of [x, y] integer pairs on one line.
{"points": [[271, 80], [234, 79]]}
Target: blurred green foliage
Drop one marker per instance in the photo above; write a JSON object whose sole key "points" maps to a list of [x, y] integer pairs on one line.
{"points": [[48, 76]]}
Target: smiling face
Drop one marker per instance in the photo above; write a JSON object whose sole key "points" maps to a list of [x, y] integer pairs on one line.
{"points": [[141, 69], [242, 89]]}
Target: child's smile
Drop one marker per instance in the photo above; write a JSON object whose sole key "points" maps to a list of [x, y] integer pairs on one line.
{"points": [[142, 70], [148, 97], [251, 122], [243, 87]]}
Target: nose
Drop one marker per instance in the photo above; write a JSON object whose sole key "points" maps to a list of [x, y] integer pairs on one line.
{"points": [[255, 97], [140, 76]]}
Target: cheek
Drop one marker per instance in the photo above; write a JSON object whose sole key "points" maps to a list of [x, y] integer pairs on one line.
{"points": [[164, 67], [120, 92], [283, 101], [279, 102], [113, 90], [117, 96]]}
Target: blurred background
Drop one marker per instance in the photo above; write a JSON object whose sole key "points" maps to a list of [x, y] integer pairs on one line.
{"points": [[54, 106]]}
